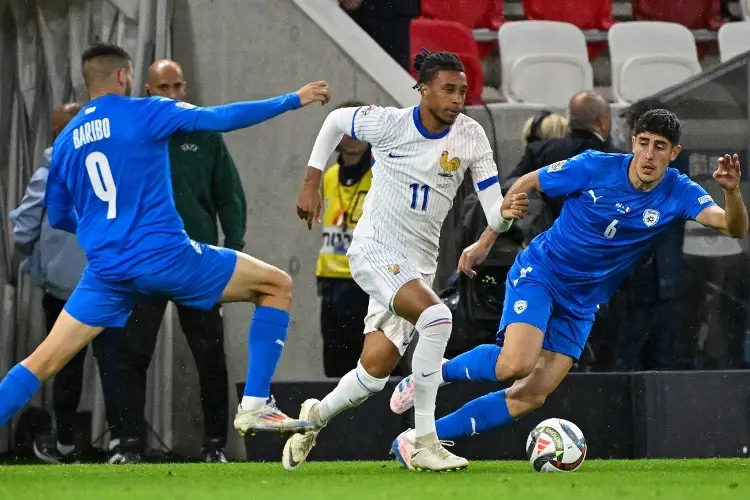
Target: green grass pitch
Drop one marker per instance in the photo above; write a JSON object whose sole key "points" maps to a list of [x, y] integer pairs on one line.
{"points": [[596, 479]]}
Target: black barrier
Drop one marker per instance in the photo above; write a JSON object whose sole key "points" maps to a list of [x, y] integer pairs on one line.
{"points": [[638, 415]]}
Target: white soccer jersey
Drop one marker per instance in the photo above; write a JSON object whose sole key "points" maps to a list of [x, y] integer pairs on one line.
{"points": [[416, 175]]}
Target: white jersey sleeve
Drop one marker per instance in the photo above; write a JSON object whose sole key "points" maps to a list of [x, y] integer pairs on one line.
{"points": [[486, 181], [372, 124]]}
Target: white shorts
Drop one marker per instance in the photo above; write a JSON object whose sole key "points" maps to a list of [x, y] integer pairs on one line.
{"points": [[381, 272]]}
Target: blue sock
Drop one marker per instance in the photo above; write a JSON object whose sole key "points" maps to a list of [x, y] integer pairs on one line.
{"points": [[475, 417], [477, 365], [16, 389], [266, 341]]}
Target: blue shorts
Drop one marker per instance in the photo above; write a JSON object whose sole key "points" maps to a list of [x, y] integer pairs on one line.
{"points": [[530, 299], [196, 278]]}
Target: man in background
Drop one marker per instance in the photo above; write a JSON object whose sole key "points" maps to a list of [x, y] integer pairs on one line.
{"points": [[206, 186], [55, 262], [344, 304]]}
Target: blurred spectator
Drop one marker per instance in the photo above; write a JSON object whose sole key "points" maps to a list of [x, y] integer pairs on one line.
{"points": [[344, 303], [589, 126], [648, 332], [55, 262], [546, 125], [207, 190], [387, 22]]}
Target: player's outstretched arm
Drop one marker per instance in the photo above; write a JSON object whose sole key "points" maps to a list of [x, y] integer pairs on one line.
{"points": [[336, 124], [246, 114], [732, 220]]}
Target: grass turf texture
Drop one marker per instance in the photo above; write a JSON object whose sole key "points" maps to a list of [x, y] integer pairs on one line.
{"points": [[596, 479]]}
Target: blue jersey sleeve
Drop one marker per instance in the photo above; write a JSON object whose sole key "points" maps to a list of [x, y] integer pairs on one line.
{"points": [[57, 195], [692, 198], [567, 177], [167, 116]]}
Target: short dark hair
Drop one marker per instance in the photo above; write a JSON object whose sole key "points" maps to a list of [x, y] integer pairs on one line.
{"points": [[102, 49], [100, 59], [429, 64], [637, 109], [660, 122]]}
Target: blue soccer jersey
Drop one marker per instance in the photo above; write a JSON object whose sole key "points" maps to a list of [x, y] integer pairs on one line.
{"points": [[607, 225], [111, 166]]}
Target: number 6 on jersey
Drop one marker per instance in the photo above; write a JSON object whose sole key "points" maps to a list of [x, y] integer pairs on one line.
{"points": [[97, 166], [611, 229]]}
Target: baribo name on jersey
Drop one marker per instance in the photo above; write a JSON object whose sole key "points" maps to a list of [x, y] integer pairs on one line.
{"points": [[92, 131]]}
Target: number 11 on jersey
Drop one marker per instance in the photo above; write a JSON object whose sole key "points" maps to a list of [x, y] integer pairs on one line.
{"points": [[415, 189]]}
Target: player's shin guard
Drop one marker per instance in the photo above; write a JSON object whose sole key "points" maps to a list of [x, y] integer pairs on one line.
{"points": [[475, 417], [267, 334], [434, 327], [477, 365], [18, 386], [353, 389]]}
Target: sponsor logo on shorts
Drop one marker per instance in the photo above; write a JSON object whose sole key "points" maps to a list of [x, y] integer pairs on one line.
{"points": [[520, 306], [650, 217], [706, 198], [394, 269]]}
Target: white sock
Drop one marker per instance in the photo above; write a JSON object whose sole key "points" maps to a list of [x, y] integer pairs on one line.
{"points": [[65, 448], [252, 403], [353, 389], [434, 327]]}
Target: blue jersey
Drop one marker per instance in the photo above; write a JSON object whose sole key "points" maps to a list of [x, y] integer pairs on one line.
{"points": [[111, 165], [606, 225]]}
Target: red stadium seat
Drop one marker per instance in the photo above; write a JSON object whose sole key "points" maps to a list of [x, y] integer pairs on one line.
{"points": [[474, 14], [693, 14], [585, 14], [471, 13], [450, 36]]}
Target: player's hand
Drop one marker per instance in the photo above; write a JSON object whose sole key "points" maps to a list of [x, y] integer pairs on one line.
{"points": [[314, 92], [309, 204], [727, 174], [472, 256], [515, 206]]}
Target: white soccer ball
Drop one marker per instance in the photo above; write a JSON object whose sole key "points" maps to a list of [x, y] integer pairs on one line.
{"points": [[556, 445]]}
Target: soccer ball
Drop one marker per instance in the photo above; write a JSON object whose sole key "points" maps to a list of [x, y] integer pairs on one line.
{"points": [[556, 445]]}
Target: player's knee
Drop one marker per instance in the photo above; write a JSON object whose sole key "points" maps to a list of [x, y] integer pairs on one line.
{"points": [[513, 368], [282, 283], [435, 314]]}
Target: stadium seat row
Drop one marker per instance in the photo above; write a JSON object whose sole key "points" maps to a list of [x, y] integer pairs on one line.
{"points": [[546, 62]]}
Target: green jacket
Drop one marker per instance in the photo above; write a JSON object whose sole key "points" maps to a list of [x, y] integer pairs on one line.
{"points": [[206, 185]]}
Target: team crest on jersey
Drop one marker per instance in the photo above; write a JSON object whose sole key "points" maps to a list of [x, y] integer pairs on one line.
{"points": [[520, 306], [394, 269], [556, 166], [650, 217], [448, 166]]}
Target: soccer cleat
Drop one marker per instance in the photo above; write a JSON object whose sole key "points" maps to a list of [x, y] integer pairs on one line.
{"points": [[403, 447], [46, 450], [402, 398], [299, 446], [268, 418], [434, 457]]}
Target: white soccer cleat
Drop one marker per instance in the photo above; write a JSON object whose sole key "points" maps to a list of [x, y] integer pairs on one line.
{"points": [[402, 398], [436, 458], [299, 446], [403, 447], [268, 418]]}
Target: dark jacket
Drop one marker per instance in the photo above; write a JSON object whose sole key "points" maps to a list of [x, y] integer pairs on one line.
{"points": [[542, 210], [206, 185]]}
